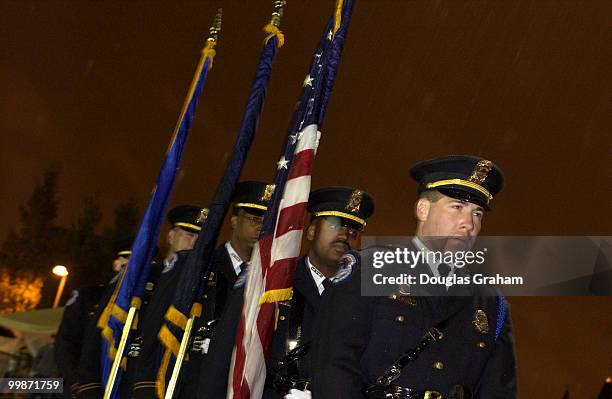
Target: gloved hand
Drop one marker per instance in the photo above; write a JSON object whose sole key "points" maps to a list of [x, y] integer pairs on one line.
{"points": [[297, 394]]}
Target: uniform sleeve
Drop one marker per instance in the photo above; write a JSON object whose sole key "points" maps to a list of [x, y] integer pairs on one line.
{"points": [[342, 331], [69, 339], [499, 377]]}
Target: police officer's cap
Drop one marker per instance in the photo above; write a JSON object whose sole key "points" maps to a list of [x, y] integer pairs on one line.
{"points": [[123, 246], [188, 217], [346, 202], [253, 196], [463, 177]]}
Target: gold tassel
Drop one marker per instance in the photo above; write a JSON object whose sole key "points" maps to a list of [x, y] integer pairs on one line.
{"points": [[209, 51], [272, 296], [274, 31], [338, 15]]}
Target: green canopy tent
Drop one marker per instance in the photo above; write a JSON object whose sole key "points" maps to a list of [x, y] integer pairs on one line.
{"points": [[43, 321]]}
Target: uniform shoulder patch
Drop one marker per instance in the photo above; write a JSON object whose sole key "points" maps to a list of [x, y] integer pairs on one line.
{"points": [[73, 298], [348, 262]]}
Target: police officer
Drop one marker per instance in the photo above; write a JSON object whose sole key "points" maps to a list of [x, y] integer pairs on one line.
{"points": [[249, 203], [80, 310], [186, 224], [407, 346], [338, 215]]}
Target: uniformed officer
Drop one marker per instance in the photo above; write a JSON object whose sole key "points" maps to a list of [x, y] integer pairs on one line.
{"points": [[249, 203], [338, 216], [406, 346], [79, 311], [186, 223]]}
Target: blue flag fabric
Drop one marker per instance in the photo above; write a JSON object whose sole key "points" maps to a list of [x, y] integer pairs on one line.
{"points": [[131, 286], [273, 261], [193, 280], [312, 104]]}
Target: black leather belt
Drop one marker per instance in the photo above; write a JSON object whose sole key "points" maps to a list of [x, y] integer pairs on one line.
{"points": [[409, 393], [399, 392]]}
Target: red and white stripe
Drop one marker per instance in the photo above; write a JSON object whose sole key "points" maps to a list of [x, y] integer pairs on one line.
{"points": [[272, 267]]}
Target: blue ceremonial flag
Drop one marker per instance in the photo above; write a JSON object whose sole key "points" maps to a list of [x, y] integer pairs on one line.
{"points": [[272, 266], [131, 285], [194, 276]]}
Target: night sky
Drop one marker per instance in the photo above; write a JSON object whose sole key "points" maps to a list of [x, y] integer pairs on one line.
{"points": [[95, 88]]}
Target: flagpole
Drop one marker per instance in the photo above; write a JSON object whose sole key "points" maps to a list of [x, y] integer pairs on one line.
{"points": [[273, 31], [119, 354], [180, 357]]}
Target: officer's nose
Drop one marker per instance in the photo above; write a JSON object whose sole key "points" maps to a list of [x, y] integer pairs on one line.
{"points": [[466, 222]]}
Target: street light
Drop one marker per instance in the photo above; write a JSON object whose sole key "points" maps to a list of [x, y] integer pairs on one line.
{"points": [[61, 271]]}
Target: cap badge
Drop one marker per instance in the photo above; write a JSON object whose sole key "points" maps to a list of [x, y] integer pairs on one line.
{"points": [[354, 201], [267, 194], [480, 322], [481, 171], [202, 217]]}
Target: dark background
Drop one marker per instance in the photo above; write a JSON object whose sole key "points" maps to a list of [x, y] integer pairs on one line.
{"points": [[95, 89]]}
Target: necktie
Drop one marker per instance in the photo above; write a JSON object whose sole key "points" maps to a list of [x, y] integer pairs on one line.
{"points": [[243, 267], [444, 269]]}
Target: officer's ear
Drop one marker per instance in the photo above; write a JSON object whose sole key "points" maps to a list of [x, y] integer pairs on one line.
{"points": [[234, 221], [421, 209], [170, 237], [312, 229]]}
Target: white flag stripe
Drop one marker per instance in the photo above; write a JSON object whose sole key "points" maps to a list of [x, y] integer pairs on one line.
{"points": [[308, 141], [255, 366], [296, 191], [286, 246]]}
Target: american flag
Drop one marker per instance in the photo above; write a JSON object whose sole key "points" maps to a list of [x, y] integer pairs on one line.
{"points": [[275, 256]]}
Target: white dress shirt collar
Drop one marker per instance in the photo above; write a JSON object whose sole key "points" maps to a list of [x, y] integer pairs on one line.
{"points": [[317, 276], [234, 257]]}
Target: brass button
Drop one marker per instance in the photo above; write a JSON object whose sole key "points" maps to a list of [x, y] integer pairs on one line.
{"points": [[205, 296], [481, 344], [438, 365], [282, 317], [400, 318]]}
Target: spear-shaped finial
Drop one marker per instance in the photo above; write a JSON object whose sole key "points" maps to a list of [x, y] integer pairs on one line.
{"points": [[278, 12], [272, 28], [216, 26], [213, 36]]}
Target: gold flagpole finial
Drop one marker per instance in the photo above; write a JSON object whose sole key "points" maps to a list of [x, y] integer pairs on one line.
{"points": [[272, 28], [278, 12], [216, 26], [213, 36]]}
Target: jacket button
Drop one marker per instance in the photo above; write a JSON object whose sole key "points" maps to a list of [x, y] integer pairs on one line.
{"points": [[438, 365], [481, 344], [205, 296], [282, 317], [400, 318]]}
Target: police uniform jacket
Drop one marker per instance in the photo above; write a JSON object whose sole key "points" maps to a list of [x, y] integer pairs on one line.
{"points": [[144, 370], [78, 312], [295, 323], [89, 371], [359, 337], [216, 364], [220, 285]]}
